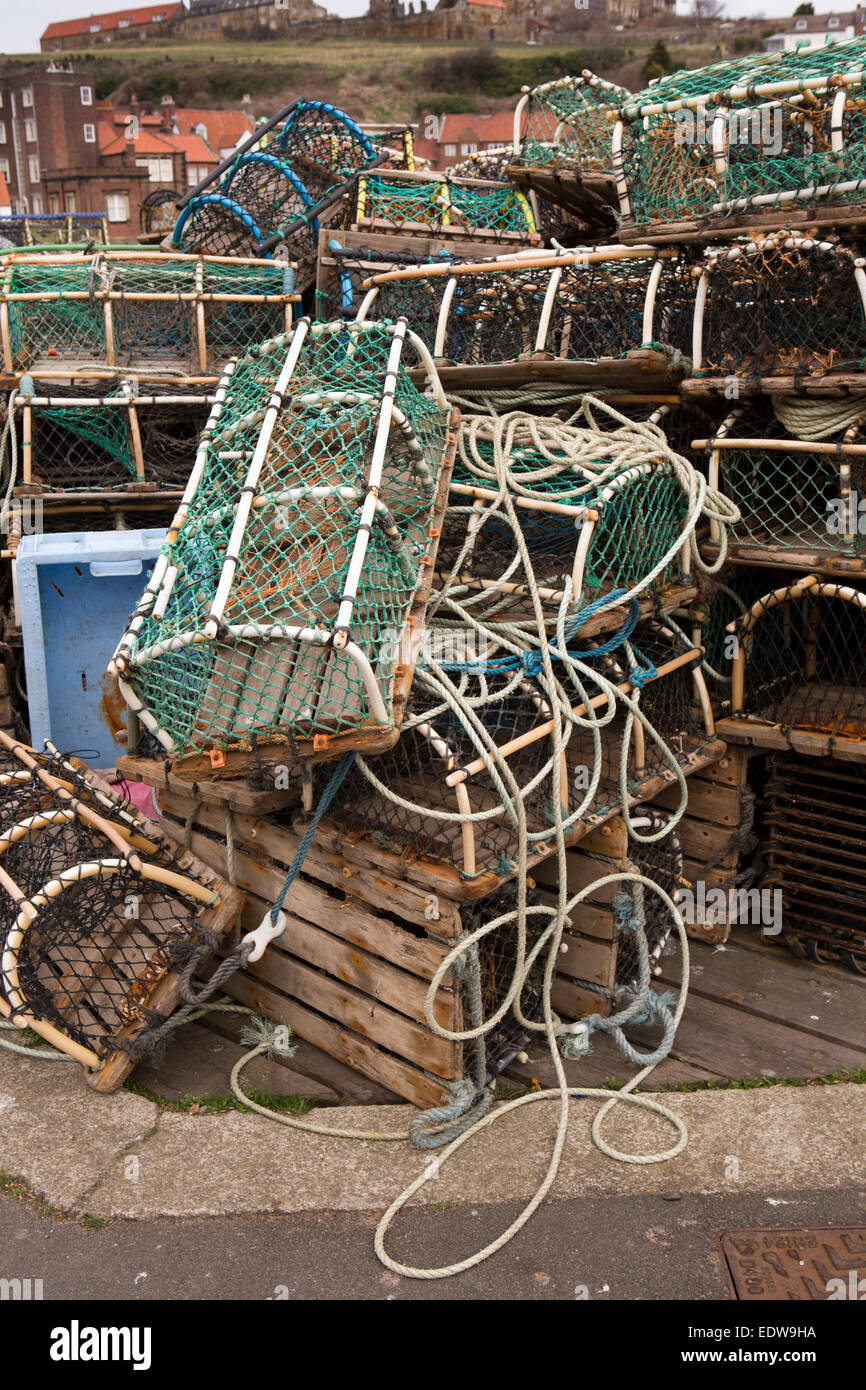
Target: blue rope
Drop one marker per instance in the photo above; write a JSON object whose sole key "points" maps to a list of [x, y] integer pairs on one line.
{"points": [[303, 849]]}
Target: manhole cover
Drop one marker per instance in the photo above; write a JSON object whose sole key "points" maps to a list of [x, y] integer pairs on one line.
{"points": [[808, 1262]]}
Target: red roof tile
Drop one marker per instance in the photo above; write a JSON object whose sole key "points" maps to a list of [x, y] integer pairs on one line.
{"points": [[66, 28]]}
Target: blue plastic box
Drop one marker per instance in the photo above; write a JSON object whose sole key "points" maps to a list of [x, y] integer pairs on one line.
{"points": [[75, 592]]}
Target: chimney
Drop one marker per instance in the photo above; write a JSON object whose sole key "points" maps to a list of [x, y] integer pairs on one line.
{"points": [[167, 109]]}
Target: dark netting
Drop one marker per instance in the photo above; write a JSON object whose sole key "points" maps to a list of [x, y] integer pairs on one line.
{"points": [[422, 796], [322, 144], [661, 861], [169, 439], [814, 816], [804, 660], [595, 308], [215, 225], [94, 954], [793, 493], [158, 211], [81, 449], [789, 307], [61, 228], [341, 289], [89, 934], [723, 599], [497, 961]]}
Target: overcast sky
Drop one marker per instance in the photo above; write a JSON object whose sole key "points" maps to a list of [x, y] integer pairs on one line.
{"points": [[23, 23]]}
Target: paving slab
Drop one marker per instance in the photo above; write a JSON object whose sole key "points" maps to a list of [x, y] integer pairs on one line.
{"points": [[57, 1133]]}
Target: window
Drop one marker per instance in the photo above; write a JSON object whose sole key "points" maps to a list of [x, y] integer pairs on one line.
{"points": [[117, 207], [800, 24], [37, 205], [124, 23], [53, 202], [30, 132], [86, 94], [468, 149], [158, 170], [90, 134], [833, 23], [4, 168], [33, 167], [450, 149], [195, 173], [26, 96], [2, 132], [70, 203], [94, 28]]}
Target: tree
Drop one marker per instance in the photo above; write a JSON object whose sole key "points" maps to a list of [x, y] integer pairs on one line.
{"points": [[704, 11], [658, 62], [806, 8]]}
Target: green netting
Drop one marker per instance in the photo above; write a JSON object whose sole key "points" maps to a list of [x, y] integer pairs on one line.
{"points": [[415, 204], [792, 494], [279, 603], [140, 310], [768, 146], [569, 123]]}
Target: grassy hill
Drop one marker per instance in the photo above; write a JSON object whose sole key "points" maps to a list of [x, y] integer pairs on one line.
{"points": [[372, 79]]}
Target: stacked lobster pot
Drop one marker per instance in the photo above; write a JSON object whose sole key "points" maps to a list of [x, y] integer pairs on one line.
{"points": [[397, 656], [758, 166], [110, 361]]}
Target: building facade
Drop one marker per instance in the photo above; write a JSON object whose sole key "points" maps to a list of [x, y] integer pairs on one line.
{"points": [[815, 30], [149, 22], [62, 151]]}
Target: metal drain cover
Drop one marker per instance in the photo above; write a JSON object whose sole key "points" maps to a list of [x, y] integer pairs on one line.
{"points": [[806, 1263]]}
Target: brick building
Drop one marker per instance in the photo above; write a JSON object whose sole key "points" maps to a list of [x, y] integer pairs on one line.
{"points": [[446, 140], [61, 151], [213, 19], [149, 22]]}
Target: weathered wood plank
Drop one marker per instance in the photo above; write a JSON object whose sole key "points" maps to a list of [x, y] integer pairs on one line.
{"points": [[357, 1052], [731, 1042], [769, 983], [708, 801]]}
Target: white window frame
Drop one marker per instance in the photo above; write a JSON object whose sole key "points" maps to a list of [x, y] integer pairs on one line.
{"points": [[450, 149], [37, 205], [2, 132], [95, 29], [467, 147], [4, 168], [33, 163], [832, 22], [89, 139], [26, 96], [30, 132], [86, 95], [111, 198]]}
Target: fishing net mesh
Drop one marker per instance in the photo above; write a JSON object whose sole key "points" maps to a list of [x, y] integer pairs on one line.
{"points": [[805, 662], [792, 307], [384, 203], [294, 555], [569, 123], [147, 306]]}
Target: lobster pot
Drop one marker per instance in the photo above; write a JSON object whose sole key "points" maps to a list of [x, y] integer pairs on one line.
{"points": [[288, 600], [62, 228], [96, 913], [568, 123], [347, 260], [799, 671], [70, 443], [397, 144], [578, 306], [490, 165], [798, 498], [419, 203], [270, 195], [607, 537], [433, 797], [786, 138], [322, 144], [143, 313], [784, 307], [814, 818], [158, 211], [724, 599]]}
